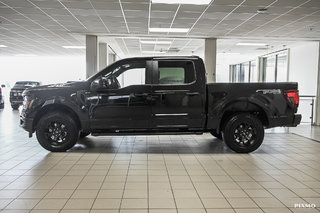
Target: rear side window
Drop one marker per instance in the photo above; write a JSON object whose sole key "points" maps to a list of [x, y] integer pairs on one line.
{"points": [[175, 72]]}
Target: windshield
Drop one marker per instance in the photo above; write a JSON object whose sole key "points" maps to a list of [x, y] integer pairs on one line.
{"points": [[26, 84]]}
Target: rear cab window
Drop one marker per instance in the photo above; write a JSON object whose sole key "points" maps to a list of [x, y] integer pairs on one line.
{"points": [[175, 73]]}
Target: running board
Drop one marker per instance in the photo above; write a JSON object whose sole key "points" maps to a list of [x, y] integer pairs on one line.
{"points": [[120, 133]]}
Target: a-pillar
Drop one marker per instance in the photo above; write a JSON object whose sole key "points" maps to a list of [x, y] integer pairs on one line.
{"points": [[103, 55], [210, 58], [91, 55], [317, 106]]}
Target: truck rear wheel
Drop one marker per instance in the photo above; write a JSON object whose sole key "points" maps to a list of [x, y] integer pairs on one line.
{"points": [[243, 133], [57, 132]]}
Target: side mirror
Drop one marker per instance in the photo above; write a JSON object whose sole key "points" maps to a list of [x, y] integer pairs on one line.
{"points": [[3, 86], [99, 83]]}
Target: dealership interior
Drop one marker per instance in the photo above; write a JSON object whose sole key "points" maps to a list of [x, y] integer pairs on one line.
{"points": [[240, 41]]}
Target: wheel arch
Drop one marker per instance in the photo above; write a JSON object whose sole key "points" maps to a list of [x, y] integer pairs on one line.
{"points": [[244, 107], [54, 108]]}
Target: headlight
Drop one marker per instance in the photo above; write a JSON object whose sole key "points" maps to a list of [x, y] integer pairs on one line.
{"points": [[28, 101]]}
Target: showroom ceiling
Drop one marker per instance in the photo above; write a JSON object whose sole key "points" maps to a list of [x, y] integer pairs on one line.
{"points": [[43, 27]]}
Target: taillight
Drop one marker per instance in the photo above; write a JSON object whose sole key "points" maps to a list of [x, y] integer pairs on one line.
{"points": [[293, 96], [0, 89]]}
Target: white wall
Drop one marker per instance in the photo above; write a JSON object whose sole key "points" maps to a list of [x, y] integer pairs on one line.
{"points": [[55, 69], [303, 67]]}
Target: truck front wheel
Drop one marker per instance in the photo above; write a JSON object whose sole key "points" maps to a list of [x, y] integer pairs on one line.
{"points": [[57, 132], [243, 133]]}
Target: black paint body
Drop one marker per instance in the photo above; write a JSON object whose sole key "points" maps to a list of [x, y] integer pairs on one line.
{"points": [[152, 108]]}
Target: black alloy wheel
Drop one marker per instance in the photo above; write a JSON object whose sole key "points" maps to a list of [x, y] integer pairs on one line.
{"points": [[57, 132], [243, 133]]}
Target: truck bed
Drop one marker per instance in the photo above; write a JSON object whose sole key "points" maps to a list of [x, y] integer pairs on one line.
{"points": [[269, 98]]}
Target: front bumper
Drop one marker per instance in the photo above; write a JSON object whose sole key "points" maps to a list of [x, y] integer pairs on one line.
{"points": [[296, 119], [26, 124], [15, 102]]}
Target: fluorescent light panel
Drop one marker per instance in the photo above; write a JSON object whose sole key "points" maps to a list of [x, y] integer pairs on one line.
{"points": [[251, 44], [155, 42], [25, 55], [74, 47], [153, 52], [195, 2], [168, 30], [1, 45]]}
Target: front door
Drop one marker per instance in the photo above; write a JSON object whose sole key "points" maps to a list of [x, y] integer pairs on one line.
{"points": [[124, 103], [178, 101]]}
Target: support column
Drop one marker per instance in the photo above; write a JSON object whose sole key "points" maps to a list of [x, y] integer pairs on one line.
{"points": [[103, 55], [210, 58], [317, 106], [111, 58], [91, 55]]}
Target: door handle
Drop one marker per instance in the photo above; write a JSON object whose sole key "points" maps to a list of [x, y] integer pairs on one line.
{"points": [[192, 93]]}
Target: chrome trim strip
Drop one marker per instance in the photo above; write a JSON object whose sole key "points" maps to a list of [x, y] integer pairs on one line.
{"points": [[177, 126], [171, 114]]}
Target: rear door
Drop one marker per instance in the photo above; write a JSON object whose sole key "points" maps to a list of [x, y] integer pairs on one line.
{"points": [[177, 97]]}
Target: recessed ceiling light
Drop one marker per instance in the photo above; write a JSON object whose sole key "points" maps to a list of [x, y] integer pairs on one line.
{"points": [[153, 52], [196, 2], [1, 45], [25, 55], [74, 47], [155, 42], [168, 30], [251, 44]]}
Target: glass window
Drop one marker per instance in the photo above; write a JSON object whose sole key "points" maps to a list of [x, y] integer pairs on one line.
{"points": [[176, 72], [269, 68], [135, 76], [282, 67], [126, 75], [245, 72], [253, 72]]}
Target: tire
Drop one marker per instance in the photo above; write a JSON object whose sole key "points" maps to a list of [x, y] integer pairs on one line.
{"points": [[243, 133], [84, 134], [57, 132], [2, 106], [215, 134], [15, 107]]}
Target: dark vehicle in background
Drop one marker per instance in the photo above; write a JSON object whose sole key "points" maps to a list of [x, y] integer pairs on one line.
{"points": [[16, 98], [1, 96], [171, 97]]}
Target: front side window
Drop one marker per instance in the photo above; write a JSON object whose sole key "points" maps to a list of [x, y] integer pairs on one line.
{"points": [[175, 72], [126, 75]]}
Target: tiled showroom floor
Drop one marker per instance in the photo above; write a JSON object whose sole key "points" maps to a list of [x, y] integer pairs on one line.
{"points": [[187, 174]]}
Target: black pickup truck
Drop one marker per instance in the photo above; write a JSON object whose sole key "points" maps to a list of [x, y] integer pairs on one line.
{"points": [[16, 98], [158, 95]]}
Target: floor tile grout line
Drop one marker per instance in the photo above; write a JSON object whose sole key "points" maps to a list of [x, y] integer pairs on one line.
{"points": [[125, 182], [213, 180], [261, 186], [16, 166], [168, 174], [193, 183], [37, 181], [70, 197], [111, 163]]}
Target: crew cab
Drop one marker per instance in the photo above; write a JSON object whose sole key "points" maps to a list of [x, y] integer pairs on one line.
{"points": [[157, 95]]}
